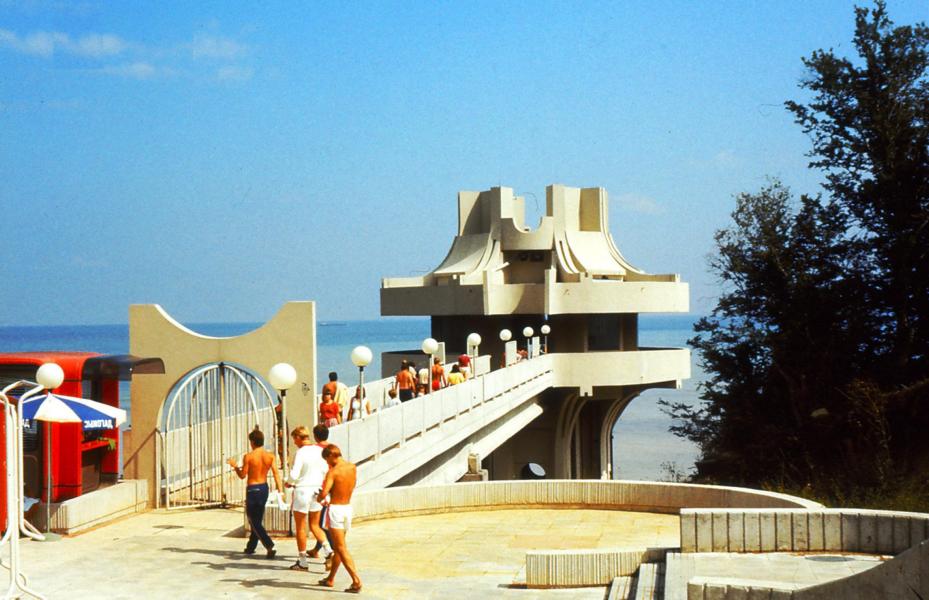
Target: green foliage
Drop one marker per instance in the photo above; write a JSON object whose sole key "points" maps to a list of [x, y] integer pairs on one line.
{"points": [[817, 352], [869, 126]]}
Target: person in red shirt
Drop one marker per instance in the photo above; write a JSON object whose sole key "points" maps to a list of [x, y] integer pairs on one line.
{"points": [[332, 385], [464, 364], [330, 414]]}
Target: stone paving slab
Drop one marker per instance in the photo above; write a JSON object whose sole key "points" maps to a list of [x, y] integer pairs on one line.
{"points": [[197, 554], [788, 570]]}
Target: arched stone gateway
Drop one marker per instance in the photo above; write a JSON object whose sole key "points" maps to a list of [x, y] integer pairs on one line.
{"points": [[191, 363], [205, 420]]}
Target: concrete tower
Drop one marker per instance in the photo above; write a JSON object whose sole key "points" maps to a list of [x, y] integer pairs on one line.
{"points": [[568, 273]]}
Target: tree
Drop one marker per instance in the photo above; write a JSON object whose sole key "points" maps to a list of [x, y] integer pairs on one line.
{"points": [[818, 348], [869, 126], [768, 347]]}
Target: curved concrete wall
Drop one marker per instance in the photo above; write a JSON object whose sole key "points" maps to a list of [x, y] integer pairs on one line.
{"points": [[644, 496], [823, 530], [552, 568]]}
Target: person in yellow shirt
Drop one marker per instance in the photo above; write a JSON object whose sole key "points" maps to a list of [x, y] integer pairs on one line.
{"points": [[456, 376]]}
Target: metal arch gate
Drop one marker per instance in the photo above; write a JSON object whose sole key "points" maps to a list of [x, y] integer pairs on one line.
{"points": [[206, 420]]}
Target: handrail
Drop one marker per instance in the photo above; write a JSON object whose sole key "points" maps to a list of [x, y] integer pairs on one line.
{"points": [[367, 438]]}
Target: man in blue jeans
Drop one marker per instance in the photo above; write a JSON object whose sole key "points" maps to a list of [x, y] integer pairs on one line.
{"points": [[255, 465]]}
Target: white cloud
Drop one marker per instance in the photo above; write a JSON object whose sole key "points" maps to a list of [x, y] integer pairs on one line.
{"points": [[139, 62], [39, 43], [214, 46], [47, 43], [234, 73], [97, 45], [137, 70], [639, 204], [725, 158]]}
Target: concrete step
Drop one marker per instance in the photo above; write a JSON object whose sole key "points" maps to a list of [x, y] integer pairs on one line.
{"points": [[622, 588], [650, 582], [679, 568]]}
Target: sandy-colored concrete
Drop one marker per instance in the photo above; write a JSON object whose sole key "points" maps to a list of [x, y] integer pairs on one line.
{"points": [[782, 570], [196, 554], [290, 336]]}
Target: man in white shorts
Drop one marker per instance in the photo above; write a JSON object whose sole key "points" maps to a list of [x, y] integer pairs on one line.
{"points": [[306, 477], [339, 485]]}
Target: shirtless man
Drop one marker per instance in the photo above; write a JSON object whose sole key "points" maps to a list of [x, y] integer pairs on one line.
{"points": [[339, 485], [306, 477], [405, 384], [255, 466]]}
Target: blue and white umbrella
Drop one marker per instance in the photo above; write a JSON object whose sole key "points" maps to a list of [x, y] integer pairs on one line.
{"points": [[56, 408]]}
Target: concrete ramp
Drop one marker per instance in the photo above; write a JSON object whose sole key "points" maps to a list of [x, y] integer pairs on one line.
{"points": [[428, 438]]}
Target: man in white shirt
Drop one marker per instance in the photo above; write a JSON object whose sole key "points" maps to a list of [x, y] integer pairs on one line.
{"points": [[306, 477], [422, 380]]}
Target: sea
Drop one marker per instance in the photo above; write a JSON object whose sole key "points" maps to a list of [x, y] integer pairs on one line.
{"points": [[643, 447]]}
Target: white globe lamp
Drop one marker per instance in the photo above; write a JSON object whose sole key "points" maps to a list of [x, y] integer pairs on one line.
{"points": [[361, 356], [545, 329], [282, 377], [474, 340], [430, 346], [50, 376], [527, 333], [506, 335]]}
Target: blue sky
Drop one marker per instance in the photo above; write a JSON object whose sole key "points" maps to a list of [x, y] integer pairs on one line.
{"points": [[220, 159]]}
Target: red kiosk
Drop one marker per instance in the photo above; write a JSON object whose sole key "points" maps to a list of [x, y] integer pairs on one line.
{"points": [[81, 461]]}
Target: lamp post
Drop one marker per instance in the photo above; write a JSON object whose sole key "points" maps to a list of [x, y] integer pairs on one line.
{"points": [[49, 376], [527, 333], [505, 336], [361, 358], [430, 347], [283, 377], [545, 329], [474, 340]]}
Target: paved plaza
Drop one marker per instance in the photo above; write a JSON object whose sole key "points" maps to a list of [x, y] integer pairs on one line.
{"points": [[196, 554]]}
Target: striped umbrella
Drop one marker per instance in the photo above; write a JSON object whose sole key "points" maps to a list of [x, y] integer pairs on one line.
{"points": [[55, 408]]}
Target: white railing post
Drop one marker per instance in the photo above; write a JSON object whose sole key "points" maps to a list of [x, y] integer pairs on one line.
{"points": [[377, 452], [402, 425], [16, 520]]}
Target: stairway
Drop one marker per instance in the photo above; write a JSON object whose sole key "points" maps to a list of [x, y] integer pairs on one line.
{"points": [[647, 584]]}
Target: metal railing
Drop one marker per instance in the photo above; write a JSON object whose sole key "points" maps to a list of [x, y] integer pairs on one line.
{"points": [[390, 427], [17, 526], [207, 419]]}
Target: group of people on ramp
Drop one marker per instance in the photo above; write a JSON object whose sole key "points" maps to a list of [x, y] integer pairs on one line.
{"points": [[322, 481]]}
